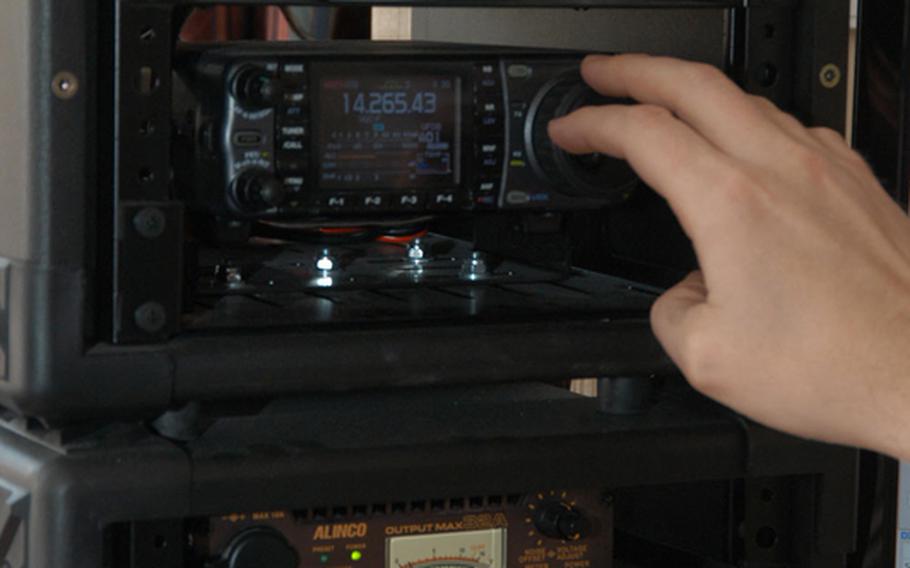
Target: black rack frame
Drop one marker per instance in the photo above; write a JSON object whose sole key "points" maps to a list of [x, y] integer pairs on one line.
{"points": [[63, 495], [57, 361], [91, 303]]}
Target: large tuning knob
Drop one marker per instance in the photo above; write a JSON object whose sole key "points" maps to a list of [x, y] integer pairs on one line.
{"points": [[589, 175], [256, 190], [258, 547]]}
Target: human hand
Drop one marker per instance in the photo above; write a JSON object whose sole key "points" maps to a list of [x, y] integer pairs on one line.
{"points": [[800, 315]]}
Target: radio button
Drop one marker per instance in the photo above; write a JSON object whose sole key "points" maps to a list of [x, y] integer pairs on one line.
{"points": [[247, 138], [293, 186], [517, 159], [336, 203], [491, 162], [409, 201], [295, 96], [293, 70], [486, 201], [487, 76], [490, 174], [294, 205], [294, 114], [293, 145], [518, 198], [491, 123], [518, 71], [294, 163], [488, 185], [297, 130], [373, 202], [490, 154], [443, 200], [489, 148], [489, 106], [518, 111]]}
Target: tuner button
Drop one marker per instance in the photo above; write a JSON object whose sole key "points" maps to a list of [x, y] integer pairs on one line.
{"points": [[255, 88], [259, 547], [258, 189], [559, 520]]}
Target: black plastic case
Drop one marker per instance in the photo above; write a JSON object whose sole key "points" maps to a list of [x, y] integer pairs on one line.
{"points": [[688, 481], [80, 287]]}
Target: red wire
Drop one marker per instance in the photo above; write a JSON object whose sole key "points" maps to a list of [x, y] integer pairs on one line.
{"points": [[404, 239], [340, 230]]}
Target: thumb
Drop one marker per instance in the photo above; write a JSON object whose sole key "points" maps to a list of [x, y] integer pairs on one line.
{"points": [[673, 313]]}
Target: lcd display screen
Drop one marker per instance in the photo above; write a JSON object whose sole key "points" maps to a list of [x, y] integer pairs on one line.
{"points": [[382, 131]]}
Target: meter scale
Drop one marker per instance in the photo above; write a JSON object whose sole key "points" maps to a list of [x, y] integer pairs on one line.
{"points": [[461, 549], [446, 562]]}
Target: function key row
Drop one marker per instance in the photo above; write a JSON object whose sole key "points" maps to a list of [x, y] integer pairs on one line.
{"points": [[334, 203]]}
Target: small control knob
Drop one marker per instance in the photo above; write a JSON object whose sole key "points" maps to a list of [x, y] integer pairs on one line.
{"points": [[562, 521], [255, 88], [255, 190], [259, 547]]}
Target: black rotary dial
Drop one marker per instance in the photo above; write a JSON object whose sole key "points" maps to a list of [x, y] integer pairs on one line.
{"points": [[255, 88], [256, 190], [555, 515], [258, 547], [560, 520], [590, 175]]}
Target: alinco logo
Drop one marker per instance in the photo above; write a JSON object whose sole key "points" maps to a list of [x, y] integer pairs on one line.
{"points": [[335, 532]]}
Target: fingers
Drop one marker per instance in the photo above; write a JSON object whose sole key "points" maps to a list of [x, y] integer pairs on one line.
{"points": [[823, 139], [675, 315], [699, 94], [835, 143], [787, 123], [667, 154]]}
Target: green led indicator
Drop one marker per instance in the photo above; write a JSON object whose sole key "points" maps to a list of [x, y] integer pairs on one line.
{"points": [[356, 555], [324, 558]]}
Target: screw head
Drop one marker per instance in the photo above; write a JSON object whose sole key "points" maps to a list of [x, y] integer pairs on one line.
{"points": [[830, 76], [150, 317], [415, 250], [233, 276], [65, 85], [150, 222], [148, 33]]}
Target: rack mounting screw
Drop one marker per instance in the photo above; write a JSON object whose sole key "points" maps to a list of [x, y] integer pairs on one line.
{"points": [[65, 85], [150, 222], [830, 76], [150, 317], [148, 34]]}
